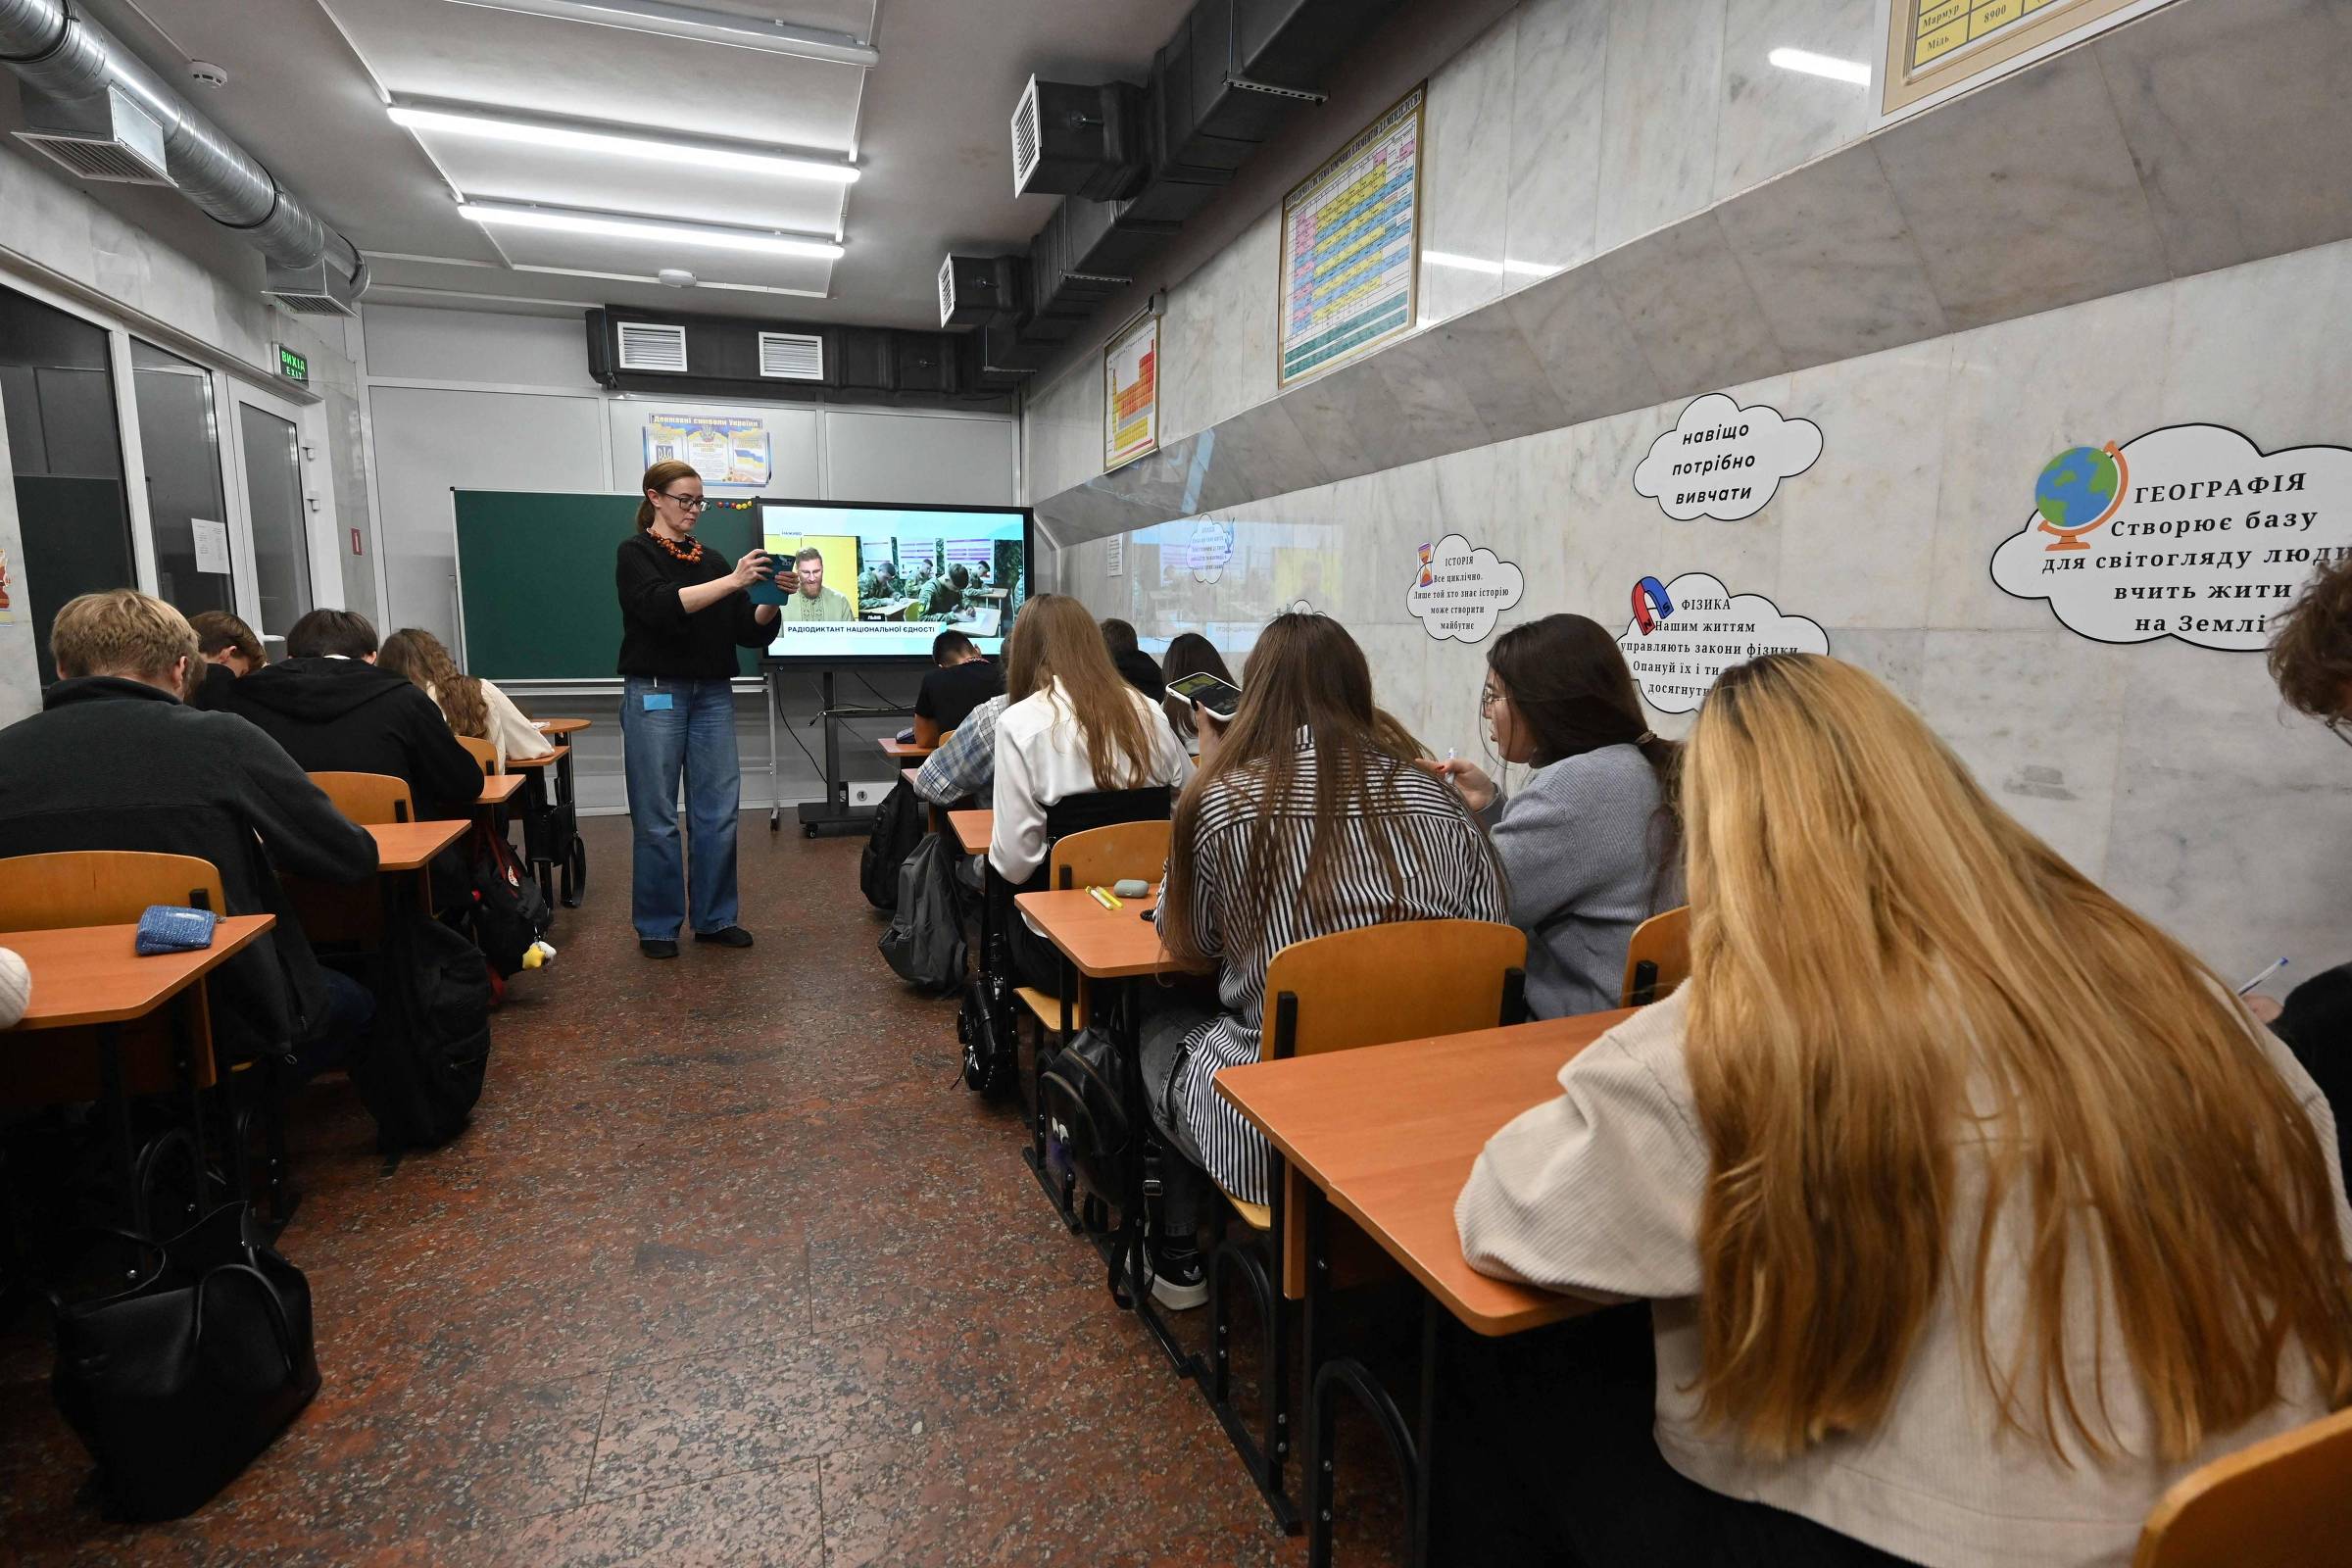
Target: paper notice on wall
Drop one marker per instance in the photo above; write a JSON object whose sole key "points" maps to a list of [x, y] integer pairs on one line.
{"points": [[734, 452], [212, 544], [1687, 632], [1116, 556], [2191, 531]]}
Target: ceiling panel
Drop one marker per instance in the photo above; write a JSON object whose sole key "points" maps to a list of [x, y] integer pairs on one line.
{"points": [[432, 48], [601, 253], [506, 171]]}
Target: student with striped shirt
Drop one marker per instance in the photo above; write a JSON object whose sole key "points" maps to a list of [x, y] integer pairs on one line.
{"points": [[1309, 817]]}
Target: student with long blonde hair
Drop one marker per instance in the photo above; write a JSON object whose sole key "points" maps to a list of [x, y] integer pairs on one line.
{"points": [[473, 707], [1972, 1209], [1070, 726]]}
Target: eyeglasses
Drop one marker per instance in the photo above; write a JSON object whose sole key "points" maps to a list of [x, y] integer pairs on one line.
{"points": [[2335, 727], [686, 503], [1487, 699]]}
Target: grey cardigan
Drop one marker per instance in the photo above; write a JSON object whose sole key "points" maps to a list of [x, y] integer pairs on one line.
{"points": [[1580, 845]]}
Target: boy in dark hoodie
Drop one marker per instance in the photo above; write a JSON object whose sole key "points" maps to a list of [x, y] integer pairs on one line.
{"points": [[335, 713], [113, 761]]}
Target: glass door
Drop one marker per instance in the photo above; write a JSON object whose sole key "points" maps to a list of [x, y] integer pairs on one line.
{"points": [[179, 445], [271, 464]]}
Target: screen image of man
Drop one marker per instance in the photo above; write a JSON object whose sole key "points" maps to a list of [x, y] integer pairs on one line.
{"points": [[813, 601]]}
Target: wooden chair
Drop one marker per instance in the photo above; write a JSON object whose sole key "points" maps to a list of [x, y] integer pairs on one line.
{"points": [[482, 752], [1409, 980], [2285, 1503], [1095, 859], [1659, 958], [114, 887], [369, 799]]}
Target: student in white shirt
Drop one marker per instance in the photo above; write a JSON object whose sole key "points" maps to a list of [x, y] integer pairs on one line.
{"points": [[474, 707], [1070, 726], [1972, 1210]]}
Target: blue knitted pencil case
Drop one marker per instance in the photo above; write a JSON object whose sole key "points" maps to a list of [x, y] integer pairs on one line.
{"points": [[175, 928]]}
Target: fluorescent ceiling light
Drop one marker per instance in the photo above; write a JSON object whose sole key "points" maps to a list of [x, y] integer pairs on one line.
{"points": [[666, 230], [1475, 263], [690, 153], [1813, 65], [698, 26]]}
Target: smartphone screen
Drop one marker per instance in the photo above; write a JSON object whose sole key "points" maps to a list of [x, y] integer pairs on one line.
{"points": [[1219, 696]]}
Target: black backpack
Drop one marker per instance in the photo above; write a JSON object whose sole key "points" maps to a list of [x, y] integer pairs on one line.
{"points": [[925, 942], [1078, 1092], [898, 829], [506, 909], [421, 1068]]}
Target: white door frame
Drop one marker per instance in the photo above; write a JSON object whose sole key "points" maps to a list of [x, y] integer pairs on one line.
{"points": [[320, 538]]}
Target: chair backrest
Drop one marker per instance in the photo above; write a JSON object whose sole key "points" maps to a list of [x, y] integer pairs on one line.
{"points": [[369, 799], [1075, 813], [2285, 1503], [101, 887], [1659, 958], [482, 752], [1382, 983], [945, 736], [1101, 856]]}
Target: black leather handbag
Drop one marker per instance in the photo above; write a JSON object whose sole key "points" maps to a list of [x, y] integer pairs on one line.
{"points": [[176, 1384]]}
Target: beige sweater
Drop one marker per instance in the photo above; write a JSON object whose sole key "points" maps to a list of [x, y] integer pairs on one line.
{"points": [[1599, 1192]]}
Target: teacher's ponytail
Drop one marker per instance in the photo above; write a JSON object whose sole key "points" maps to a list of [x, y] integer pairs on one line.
{"points": [[661, 477]]}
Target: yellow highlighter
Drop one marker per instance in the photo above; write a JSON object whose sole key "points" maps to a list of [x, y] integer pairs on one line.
{"points": [[1104, 898]]}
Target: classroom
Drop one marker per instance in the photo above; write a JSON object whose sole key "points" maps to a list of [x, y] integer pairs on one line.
{"points": [[1209, 783]]}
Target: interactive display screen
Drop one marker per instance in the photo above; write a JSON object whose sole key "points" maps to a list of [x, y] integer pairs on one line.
{"points": [[868, 581]]}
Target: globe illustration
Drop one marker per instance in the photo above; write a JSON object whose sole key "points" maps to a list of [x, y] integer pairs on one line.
{"points": [[2078, 488]]}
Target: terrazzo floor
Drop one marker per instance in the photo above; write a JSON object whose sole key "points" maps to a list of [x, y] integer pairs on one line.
{"points": [[729, 1269]]}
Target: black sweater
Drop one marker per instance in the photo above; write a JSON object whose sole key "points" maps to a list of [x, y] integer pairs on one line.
{"points": [[658, 637], [339, 715], [117, 765]]}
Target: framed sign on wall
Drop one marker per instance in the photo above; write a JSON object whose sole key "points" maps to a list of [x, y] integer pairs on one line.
{"points": [[1352, 247], [1131, 392], [1933, 48]]}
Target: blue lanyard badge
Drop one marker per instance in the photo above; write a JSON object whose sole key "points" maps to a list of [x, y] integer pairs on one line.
{"points": [[657, 701]]}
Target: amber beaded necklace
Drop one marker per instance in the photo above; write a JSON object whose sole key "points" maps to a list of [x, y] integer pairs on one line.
{"points": [[689, 554]]}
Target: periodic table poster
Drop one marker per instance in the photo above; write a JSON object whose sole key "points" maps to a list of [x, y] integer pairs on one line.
{"points": [[1131, 393], [1350, 247]]}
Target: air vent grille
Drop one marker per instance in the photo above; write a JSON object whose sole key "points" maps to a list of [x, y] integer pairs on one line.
{"points": [[946, 291], [315, 305], [87, 159], [1028, 141], [651, 346], [792, 355]]}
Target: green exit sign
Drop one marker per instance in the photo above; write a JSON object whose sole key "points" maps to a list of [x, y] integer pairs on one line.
{"points": [[292, 365]]}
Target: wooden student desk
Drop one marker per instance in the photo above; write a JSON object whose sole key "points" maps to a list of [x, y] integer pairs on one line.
{"points": [[1387, 1135], [497, 790], [907, 754], [972, 829], [1118, 948], [92, 977], [565, 726]]}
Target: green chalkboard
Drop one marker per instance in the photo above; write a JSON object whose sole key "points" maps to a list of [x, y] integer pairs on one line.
{"points": [[535, 572]]}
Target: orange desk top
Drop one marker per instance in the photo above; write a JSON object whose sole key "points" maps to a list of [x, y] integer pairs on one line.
{"points": [[408, 845], [908, 773], [1390, 1134], [93, 974], [533, 764], [498, 789], [906, 751], [564, 726], [1101, 944], [972, 829]]}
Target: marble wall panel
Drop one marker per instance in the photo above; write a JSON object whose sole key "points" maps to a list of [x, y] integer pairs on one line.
{"points": [[1581, 338], [2264, 344], [1465, 179], [2025, 197], [1551, 208], [1660, 104], [2230, 173], [1775, 118], [1496, 367], [1690, 308]]}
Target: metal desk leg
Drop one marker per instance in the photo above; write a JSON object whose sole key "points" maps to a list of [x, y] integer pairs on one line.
{"points": [[117, 1106], [566, 852], [183, 1062], [1328, 1376], [1138, 1121], [772, 689]]}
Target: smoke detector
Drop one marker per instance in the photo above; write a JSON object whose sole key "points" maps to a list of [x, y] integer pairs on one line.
{"points": [[205, 73], [675, 278]]}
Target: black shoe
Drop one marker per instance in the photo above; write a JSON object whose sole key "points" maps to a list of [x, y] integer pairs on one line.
{"points": [[733, 936], [658, 947], [1179, 1277]]}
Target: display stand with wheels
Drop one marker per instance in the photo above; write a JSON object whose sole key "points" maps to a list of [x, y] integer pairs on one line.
{"points": [[832, 812]]}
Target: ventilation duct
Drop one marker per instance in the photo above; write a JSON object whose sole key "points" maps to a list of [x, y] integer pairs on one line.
{"points": [[107, 139], [72, 63], [1224, 83], [667, 355]]}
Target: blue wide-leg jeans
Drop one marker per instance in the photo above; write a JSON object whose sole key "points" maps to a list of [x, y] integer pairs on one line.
{"points": [[693, 735]]}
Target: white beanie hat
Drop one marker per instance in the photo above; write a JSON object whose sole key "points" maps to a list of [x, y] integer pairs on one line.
{"points": [[16, 989]]}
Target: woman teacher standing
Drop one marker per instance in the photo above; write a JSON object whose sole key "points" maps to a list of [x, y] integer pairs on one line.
{"points": [[683, 613]]}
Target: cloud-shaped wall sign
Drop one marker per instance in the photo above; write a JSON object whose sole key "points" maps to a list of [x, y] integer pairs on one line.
{"points": [[1212, 547], [1687, 632], [2191, 531], [1724, 462], [1458, 589]]}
